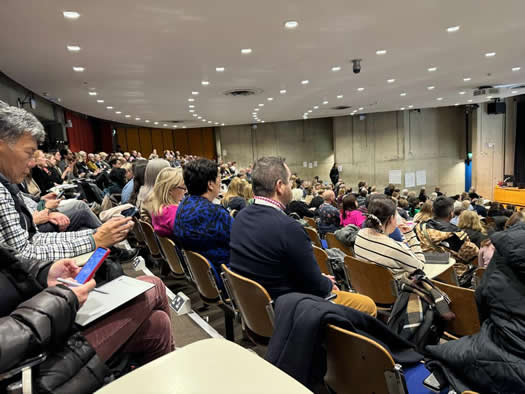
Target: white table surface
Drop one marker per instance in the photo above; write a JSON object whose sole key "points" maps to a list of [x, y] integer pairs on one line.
{"points": [[209, 366], [433, 270], [81, 260]]}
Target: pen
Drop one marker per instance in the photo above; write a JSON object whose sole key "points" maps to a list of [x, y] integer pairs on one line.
{"points": [[76, 284]]}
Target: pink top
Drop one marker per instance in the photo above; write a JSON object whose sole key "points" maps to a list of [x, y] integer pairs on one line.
{"points": [[163, 224], [353, 217]]}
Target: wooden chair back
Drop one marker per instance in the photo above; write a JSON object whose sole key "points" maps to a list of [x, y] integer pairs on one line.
{"points": [[150, 239], [314, 236], [333, 242], [203, 277], [322, 260], [355, 364], [167, 247], [478, 274], [252, 300], [137, 232], [463, 304], [311, 222], [448, 276], [371, 280]]}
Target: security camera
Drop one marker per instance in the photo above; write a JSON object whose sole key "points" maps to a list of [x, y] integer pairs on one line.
{"points": [[357, 66]]}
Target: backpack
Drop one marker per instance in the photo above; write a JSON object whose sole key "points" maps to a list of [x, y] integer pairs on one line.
{"points": [[420, 311]]}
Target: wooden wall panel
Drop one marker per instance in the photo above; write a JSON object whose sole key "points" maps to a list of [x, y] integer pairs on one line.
{"points": [[181, 141], [195, 141], [145, 142], [208, 143], [167, 140], [133, 139], [122, 138], [156, 140]]}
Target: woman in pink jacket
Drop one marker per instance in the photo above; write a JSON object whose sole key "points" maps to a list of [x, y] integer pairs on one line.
{"points": [[350, 214]]}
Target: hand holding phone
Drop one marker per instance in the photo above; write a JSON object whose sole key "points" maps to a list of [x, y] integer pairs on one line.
{"points": [[130, 212], [92, 265]]}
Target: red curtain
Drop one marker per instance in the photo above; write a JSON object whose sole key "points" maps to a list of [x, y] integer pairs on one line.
{"points": [[106, 137], [80, 136]]}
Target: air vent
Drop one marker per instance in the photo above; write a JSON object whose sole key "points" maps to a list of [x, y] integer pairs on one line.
{"points": [[342, 107], [243, 92], [173, 121]]}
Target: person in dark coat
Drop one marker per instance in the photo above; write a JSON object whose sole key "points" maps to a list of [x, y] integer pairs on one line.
{"points": [[493, 360], [334, 174]]}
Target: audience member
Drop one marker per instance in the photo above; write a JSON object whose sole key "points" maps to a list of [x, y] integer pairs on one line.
{"points": [[470, 223], [234, 197], [350, 214], [329, 216], [361, 198], [374, 244], [40, 173], [334, 174], [457, 211], [423, 195], [153, 168], [139, 170], [128, 187], [425, 213], [298, 206], [273, 249], [167, 194]]}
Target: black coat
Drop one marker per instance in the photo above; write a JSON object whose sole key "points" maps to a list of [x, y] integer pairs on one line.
{"points": [[36, 319], [493, 360], [300, 208], [334, 175]]}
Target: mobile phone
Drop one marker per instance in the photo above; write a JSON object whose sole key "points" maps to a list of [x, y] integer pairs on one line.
{"points": [[60, 194], [92, 265], [130, 212]]}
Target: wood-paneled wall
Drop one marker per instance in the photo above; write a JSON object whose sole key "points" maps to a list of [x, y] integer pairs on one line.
{"points": [[198, 142]]}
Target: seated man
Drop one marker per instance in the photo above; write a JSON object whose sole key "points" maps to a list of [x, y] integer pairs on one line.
{"points": [[439, 235], [200, 225], [19, 133], [273, 249], [329, 220], [38, 315]]}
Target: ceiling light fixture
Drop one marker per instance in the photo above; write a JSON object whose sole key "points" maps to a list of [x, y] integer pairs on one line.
{"points": [[391, 80], [195, 115], [490, 54], [209, 121], [92, 93], [100, 101], [381, 52], [439, 99], [165, 124], [191, 110], [261, 105], [118, 112], [200, 117], [403, 94], [470, 101], [71, 14], [516, 68], [73, 48], [282, 91], [219, 69], [222, 124], [205, 83], [410, 106], [316, 107], [246, 51], [466, 79], [431, 87], [216, 122], [402, 108], [336, 68], [256, 109], [155, 122], [456, 104], [310, 111], [462, 92], [191, 106], [360, 89], [514, 92], [195, 93], [270, 99], [340, 96], [147, 121], [137, 118], [78, 69], [127, 116], [191, 100], [305, 82], [175, 126], [361, 108], [291, 24], [453, 29], [489, 97], [109, 107], [432, 69], [325, 102]]}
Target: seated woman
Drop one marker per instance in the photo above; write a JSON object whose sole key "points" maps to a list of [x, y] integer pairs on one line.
{"points": [[168, 192], [469, 222], [492, 360], [298, 206], [374, 244], [234, 197], [38, 315], [144, 197], [350, 214], [40, 173], [425, 213]]}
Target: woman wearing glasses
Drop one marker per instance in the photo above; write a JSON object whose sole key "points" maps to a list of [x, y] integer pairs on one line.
{"points": [[167, 193]]}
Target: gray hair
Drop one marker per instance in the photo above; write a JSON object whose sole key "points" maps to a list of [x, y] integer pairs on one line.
{"points": [[266, 172], [150, 176], [15, 122]]}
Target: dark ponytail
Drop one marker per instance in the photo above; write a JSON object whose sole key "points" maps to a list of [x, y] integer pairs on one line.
{"points": [[379, 212]]}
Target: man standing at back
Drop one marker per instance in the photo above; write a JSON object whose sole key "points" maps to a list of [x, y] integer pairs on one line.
{"points": [[273, 249]]}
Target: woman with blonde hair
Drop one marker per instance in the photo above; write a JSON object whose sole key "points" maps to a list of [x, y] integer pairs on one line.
{"points": [[150, 176], [425, 213], [167, 193], [234, 197], [247, 192], [470, 222]]}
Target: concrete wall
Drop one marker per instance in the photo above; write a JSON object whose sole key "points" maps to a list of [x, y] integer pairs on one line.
{"points": [[298, 141]]}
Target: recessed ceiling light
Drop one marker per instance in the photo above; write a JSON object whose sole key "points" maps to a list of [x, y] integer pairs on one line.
{"points": [[432, 69], [127, 116], [195, 93], [361, 108], [109, 107], [325, 102], [246, 51], [191, 100], [165, 124], [282, 91], [489, 97], [340, 96], [205, 83], [219, 69], [453, 29], [261, 105], [470, 101], [402, 108], [191, 106], [360, 89], [381, 52], [439, 99], [391, 80], [467, 79], [155, 122], [73, 48], [147, 121], [195, 115], [270, 99], [92, 93], [118, 112], [204, 120], [256, 109], [316, 107], [490, 54], [222, 124], [430, 87], [216, 122], [305, 82], [254, 113], [200, 117], [462, 92], [191, 110], [262, 121], [410, 106], [456, 104], [209, 121], [100, 101], [336, 68], [516, 68], [309, 111], [291, 24], [514, 91], [71, 14], [403, 94], [137, 118], [78, 69]]}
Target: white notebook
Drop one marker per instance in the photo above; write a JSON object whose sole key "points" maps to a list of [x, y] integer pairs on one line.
{"points": [[120, 291]]}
